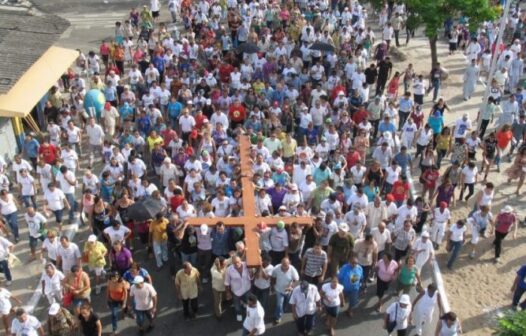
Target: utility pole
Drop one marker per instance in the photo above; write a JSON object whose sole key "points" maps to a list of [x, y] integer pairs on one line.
{"points": [[493, 67]]}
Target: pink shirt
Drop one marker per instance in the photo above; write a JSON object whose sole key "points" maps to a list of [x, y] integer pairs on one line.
{"points": [[239, 283], [387, 272]]}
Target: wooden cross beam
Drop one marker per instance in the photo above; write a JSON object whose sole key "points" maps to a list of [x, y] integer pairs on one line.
{"points": [[249, 220]]}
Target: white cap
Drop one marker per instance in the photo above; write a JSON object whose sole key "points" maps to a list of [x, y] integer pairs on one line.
{"points": [[204, 229], [425, 234], [294, 187], [343, 227], [138, 279], [405, 299], [167, 160], [507, 209], [54, 308], [92, 238]]}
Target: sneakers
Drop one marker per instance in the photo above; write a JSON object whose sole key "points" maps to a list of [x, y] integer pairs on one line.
{"points": [[497, 260], [276, 322], [239, 317]]}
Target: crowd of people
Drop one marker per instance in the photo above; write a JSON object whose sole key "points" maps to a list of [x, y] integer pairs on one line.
{"points": [[333, 136]]}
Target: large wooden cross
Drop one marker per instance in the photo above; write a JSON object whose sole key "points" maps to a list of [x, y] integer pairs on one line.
{"points": [[249, 220]]}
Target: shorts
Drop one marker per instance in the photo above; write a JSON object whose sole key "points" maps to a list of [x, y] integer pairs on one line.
{"points": [[58, 215], [33, 242], [6, 309], [97, 270], [403, 287], [332, 311], [155, 14], [452, 46], [78, 302]]}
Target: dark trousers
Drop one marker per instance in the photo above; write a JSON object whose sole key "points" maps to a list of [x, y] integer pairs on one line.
{"points": [[190, 307], [305, 323], [499, 237], [471, 188], [380, 85], [4, 268], [517, 297], [402, 117], [375, 124], [399, 254], [262, 295], [396, 34], [483, 126], [277, 256]]}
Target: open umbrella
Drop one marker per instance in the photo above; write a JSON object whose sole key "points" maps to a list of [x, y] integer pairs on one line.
{"points": [[321, 46], [248, 48], [145, 209]]}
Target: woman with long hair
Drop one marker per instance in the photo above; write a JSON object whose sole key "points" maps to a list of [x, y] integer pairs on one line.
{"points": [[518, 169], [117, 297]]}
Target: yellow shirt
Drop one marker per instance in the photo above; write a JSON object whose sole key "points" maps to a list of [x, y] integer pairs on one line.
{"points": [[158, 230], [95, 254], [258, 87], [289, 149], [443, 142], [187, 283], [152, 142]]}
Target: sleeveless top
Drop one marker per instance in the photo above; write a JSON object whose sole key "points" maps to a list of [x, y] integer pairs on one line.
{"points": [[428, 302], [448, 331], [407, 275], [486, 199]]}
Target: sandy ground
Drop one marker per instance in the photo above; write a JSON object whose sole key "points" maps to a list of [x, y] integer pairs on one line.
{"points": [[478, 290]]}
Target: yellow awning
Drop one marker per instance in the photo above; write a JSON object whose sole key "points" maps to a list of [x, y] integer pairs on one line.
{"points": [[34, 84]]}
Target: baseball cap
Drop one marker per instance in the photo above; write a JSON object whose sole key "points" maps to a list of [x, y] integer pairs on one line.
{"points": [[204, 229], [343, 227], [53, 309], [280, 224], [92, 238], [138, 279]]}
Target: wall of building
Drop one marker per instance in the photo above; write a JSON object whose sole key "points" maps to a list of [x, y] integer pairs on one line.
{"points": [[8, 145]]}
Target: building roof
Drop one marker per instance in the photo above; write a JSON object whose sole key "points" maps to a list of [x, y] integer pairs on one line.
{"points": [[23, 40]]}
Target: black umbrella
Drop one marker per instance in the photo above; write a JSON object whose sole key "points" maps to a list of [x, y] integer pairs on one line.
{"points": [[321, 46], [248, 48], [144, 210]]}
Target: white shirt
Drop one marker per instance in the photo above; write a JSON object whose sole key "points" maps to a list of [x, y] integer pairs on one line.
{"points": [[404, 213], [255, 319], [279, 240], [264, 283], [331, 297], [69, 256], [55, 199], [5, 303], [143, 297], [27, 328], [381, 238], [441, 217], [401, 315], [392, 174], [461, 128], [305, 304], [4, 248], [51, 248], [34, 223], [95, 134], [457, 233], [116, 235], [53, 283], [9, 206], [469, 174], [65, 186], [27, 183]]}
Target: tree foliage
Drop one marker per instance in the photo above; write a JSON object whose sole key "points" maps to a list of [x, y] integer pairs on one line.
{"points": [[512, 324]]}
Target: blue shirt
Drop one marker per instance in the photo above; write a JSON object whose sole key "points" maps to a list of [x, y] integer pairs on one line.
{"points": [[174, 109], [220, 242], [386, 127], [129, 277], [110, 93], [159, 62], [144, 124], [406, 105], [521, 273], [126, 111], [31, 148], [403, 161], [436, 123], [350, 277]]}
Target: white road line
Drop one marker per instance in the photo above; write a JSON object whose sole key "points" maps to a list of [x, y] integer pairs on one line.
{"points": [[70, 231]]}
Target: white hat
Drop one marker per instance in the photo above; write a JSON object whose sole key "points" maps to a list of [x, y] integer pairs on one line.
{"points": [[167, 160], [507, 209], [294, 187], [54, 308], [282, 207], [138, 279], [208, 101], [343, 227], [92, 238], [405, 299], [204, 229], [425, 234]]}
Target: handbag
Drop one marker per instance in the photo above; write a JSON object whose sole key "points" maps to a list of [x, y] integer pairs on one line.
{"points": [[391, 325], [67, 299]]}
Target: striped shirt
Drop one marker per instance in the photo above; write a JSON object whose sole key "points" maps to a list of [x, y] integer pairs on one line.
{"points": [[314, 263]]}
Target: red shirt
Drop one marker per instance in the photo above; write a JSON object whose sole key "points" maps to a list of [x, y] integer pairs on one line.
{"points": [[199, 119], [237, 113], [431, 178], [104, 49], [337, 89], [176, 201], [360, 116], [352, 158], [224, 72], [48, 153], [400, 190], [168, 135], [504, 221]]}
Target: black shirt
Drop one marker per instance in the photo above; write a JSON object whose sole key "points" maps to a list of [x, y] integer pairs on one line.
{"points": [[383, 68], [370, 75], [89, 327]]}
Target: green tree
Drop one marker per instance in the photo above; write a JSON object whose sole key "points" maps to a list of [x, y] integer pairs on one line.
{"points": [[512, 324], [431, 15]]}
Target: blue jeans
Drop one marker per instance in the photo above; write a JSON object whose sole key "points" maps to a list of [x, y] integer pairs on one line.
{"points": [[305, 323], [115, 307], [191, 258], [73, 206], [455, 251], [143, 315], [436, 87], [12, 221], [4, 267], [281, 301], [30, 201], [238, 302], [517, 297]]}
